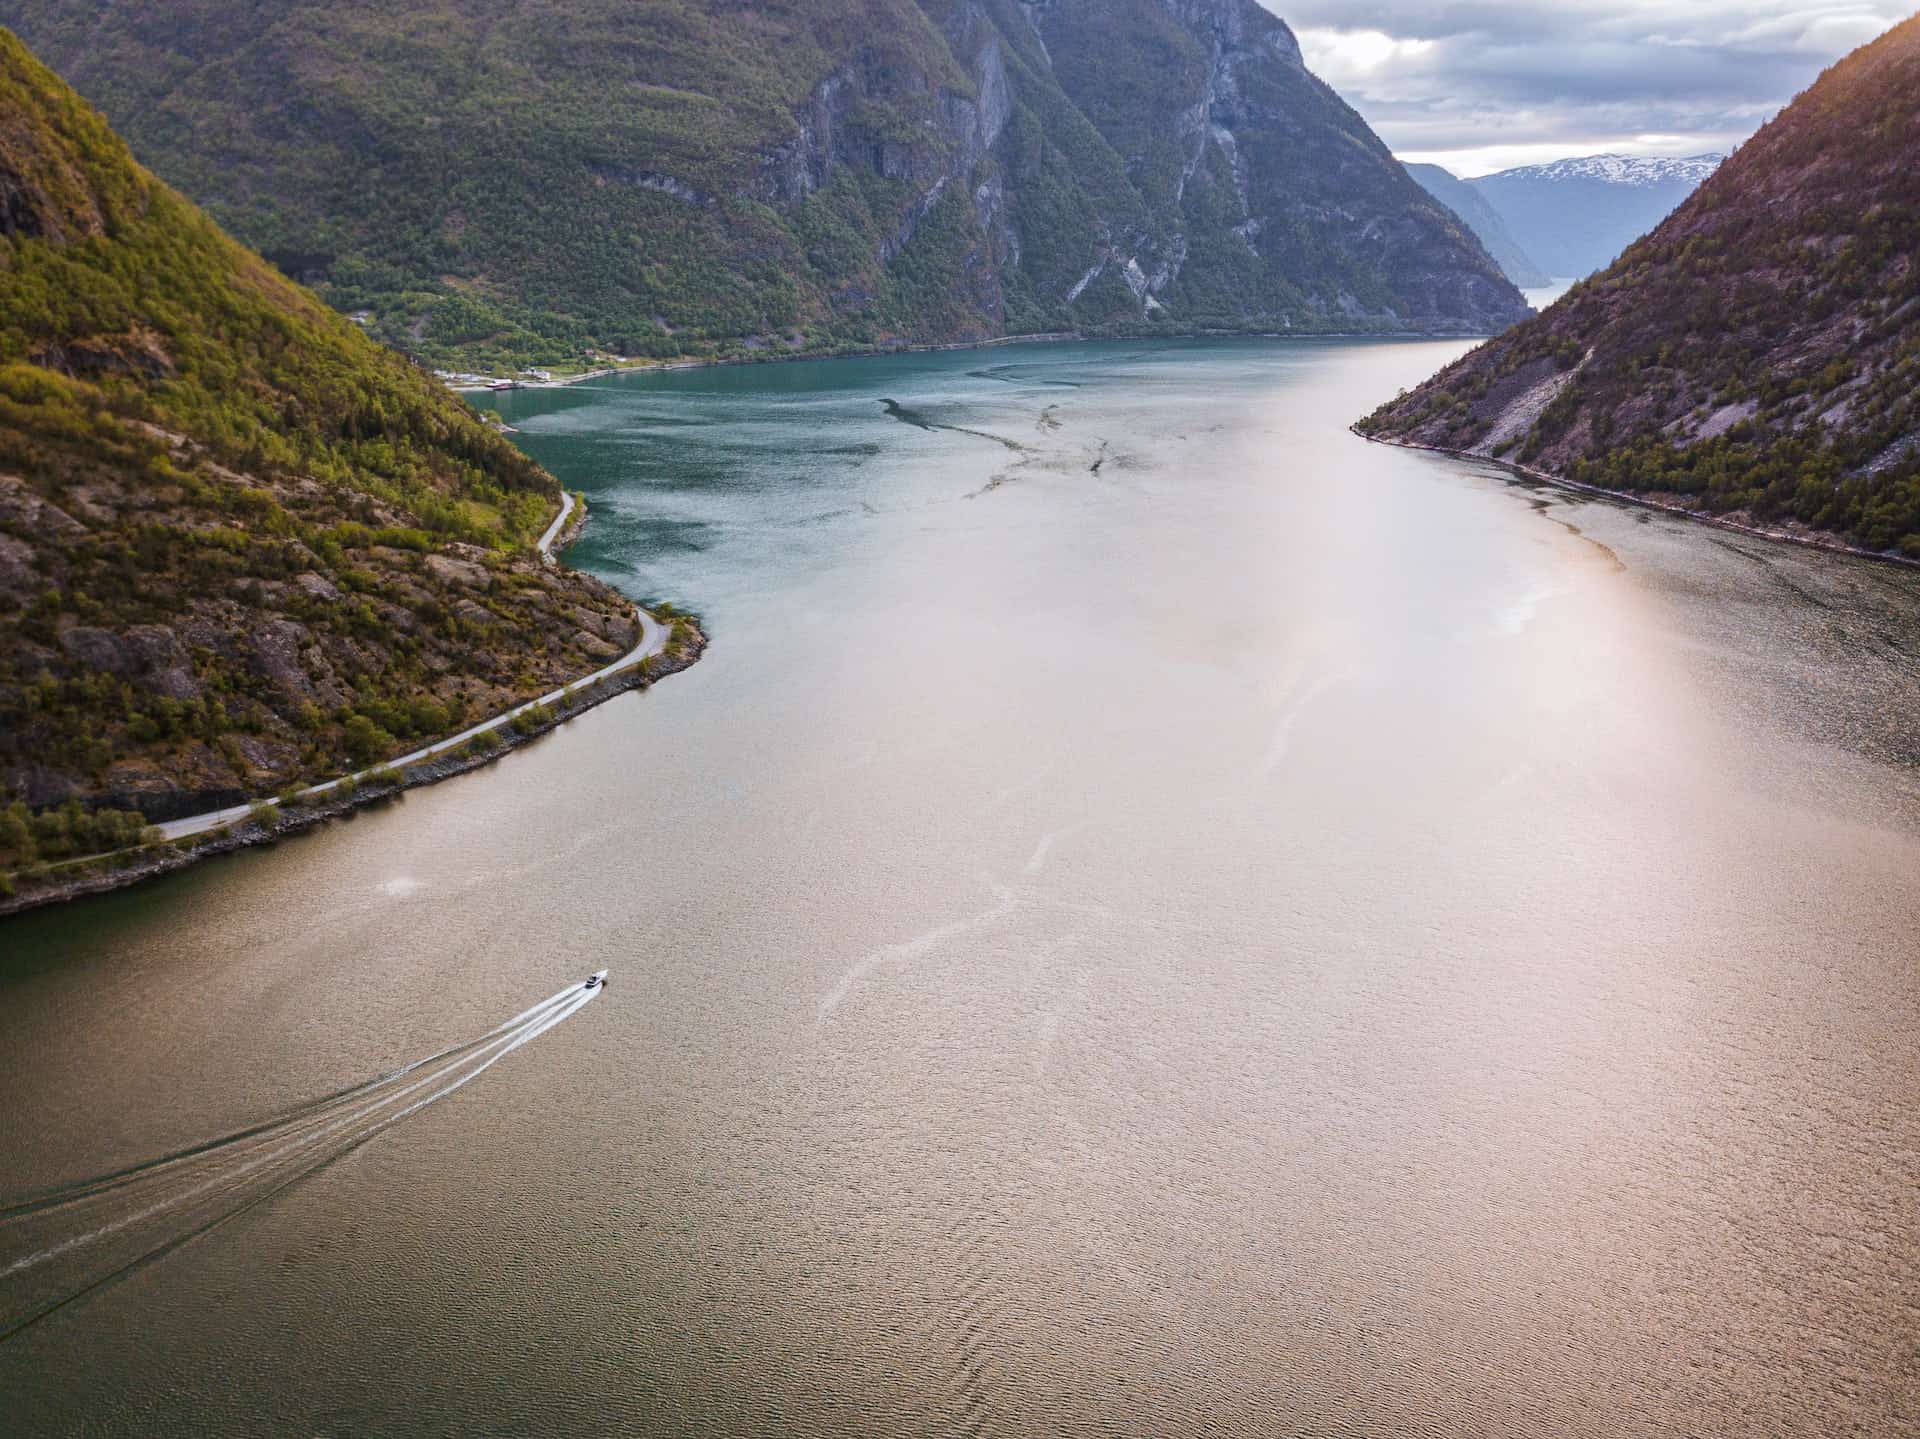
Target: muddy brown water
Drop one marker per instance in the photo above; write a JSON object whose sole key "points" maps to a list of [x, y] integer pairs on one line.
{"points": [[1154, 917]]}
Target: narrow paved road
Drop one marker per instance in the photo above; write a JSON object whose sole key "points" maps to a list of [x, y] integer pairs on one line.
{"points": [[653, 640], [553, 530]]}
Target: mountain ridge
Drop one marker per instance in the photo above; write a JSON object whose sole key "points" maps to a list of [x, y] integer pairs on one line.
{"points": [[1486, 222], [1630, 170], [496, 181]]}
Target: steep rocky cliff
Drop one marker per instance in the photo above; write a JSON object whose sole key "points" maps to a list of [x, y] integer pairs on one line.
{"points": [[1758, 354], [240, 544], [503, 179]]}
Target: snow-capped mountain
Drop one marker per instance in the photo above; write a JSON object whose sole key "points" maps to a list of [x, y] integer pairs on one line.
{"points": [[1575, 216], [1621, 169]]}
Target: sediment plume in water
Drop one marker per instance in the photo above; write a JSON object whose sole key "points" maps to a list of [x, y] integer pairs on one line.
{"points": [[64, 1244]]}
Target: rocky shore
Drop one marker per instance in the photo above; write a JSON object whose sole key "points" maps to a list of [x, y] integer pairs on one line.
{"points": [[273, 821], [1806, 537]]}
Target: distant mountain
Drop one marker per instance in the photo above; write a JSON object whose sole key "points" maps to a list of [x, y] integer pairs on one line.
{"points": [[1470, 205], [1758, 354], [240, 544], [1638, 171], [1576, 216], [512, 180]]}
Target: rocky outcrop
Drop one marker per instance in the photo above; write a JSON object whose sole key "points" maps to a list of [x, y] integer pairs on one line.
{"points": [[139, 354], [834, 129], [667, 185], [42, 198], [834, 132], [973, 124], [19, 214]]}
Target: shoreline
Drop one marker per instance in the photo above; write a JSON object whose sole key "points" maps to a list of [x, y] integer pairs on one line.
{"points": [[100, 874], [771, 358], [1811, 540], [661, 650], [1052, 337]]}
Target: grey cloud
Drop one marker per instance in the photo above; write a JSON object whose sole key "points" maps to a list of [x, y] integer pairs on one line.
{"points": [[1487, 73]]}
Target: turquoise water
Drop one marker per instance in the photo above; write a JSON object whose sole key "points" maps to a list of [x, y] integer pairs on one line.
{"points": [[1154, 916]]}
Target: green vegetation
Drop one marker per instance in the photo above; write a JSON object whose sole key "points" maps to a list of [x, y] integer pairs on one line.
{"points": [[496, 186], [484, 743], [1759, 353], [242, 548], [28, 838], [535, 717]]}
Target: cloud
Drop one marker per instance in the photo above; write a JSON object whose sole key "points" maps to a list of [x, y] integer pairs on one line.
{"points": [[1479, 84]]}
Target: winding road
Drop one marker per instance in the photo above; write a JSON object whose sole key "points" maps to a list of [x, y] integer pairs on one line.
{"points": [[553, 530], [653, 640]]}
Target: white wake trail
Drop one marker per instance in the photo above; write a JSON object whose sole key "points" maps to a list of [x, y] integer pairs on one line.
{"points": [[474, 1061], [310, 1113]]}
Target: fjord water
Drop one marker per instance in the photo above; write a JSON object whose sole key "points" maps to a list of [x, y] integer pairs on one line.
{"points": [[1154, 916]]}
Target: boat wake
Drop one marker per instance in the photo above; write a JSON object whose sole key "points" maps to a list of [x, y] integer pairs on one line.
{"points": [[61, 1245]]}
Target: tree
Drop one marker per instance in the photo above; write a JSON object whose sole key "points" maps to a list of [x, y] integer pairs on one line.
{"points": [[16, 833], [365, 740]]}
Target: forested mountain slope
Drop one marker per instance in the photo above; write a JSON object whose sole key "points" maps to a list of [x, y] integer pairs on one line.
{"points": [[495, 180], [240, 544], [1471, 206], [1759, 353]]}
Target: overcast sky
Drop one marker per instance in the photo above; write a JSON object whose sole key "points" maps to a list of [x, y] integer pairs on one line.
{"points": [[1480, 85]]}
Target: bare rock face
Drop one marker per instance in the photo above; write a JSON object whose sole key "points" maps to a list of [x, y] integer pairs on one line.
{"points": [[665, 184], [274, 651], [614, 629], [473, 612], [265, 757], [317, 585], [599, 648], [18, 576], [41, 196], [22, 509], [162, 662], [41, 785], [137, 353], [97, 649], [20, 214], [193, 778], [466, 573]]}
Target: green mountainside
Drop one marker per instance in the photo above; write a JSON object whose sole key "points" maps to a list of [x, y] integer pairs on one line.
{"points": [[240, 544], [490, 182], [1758, 354]]}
